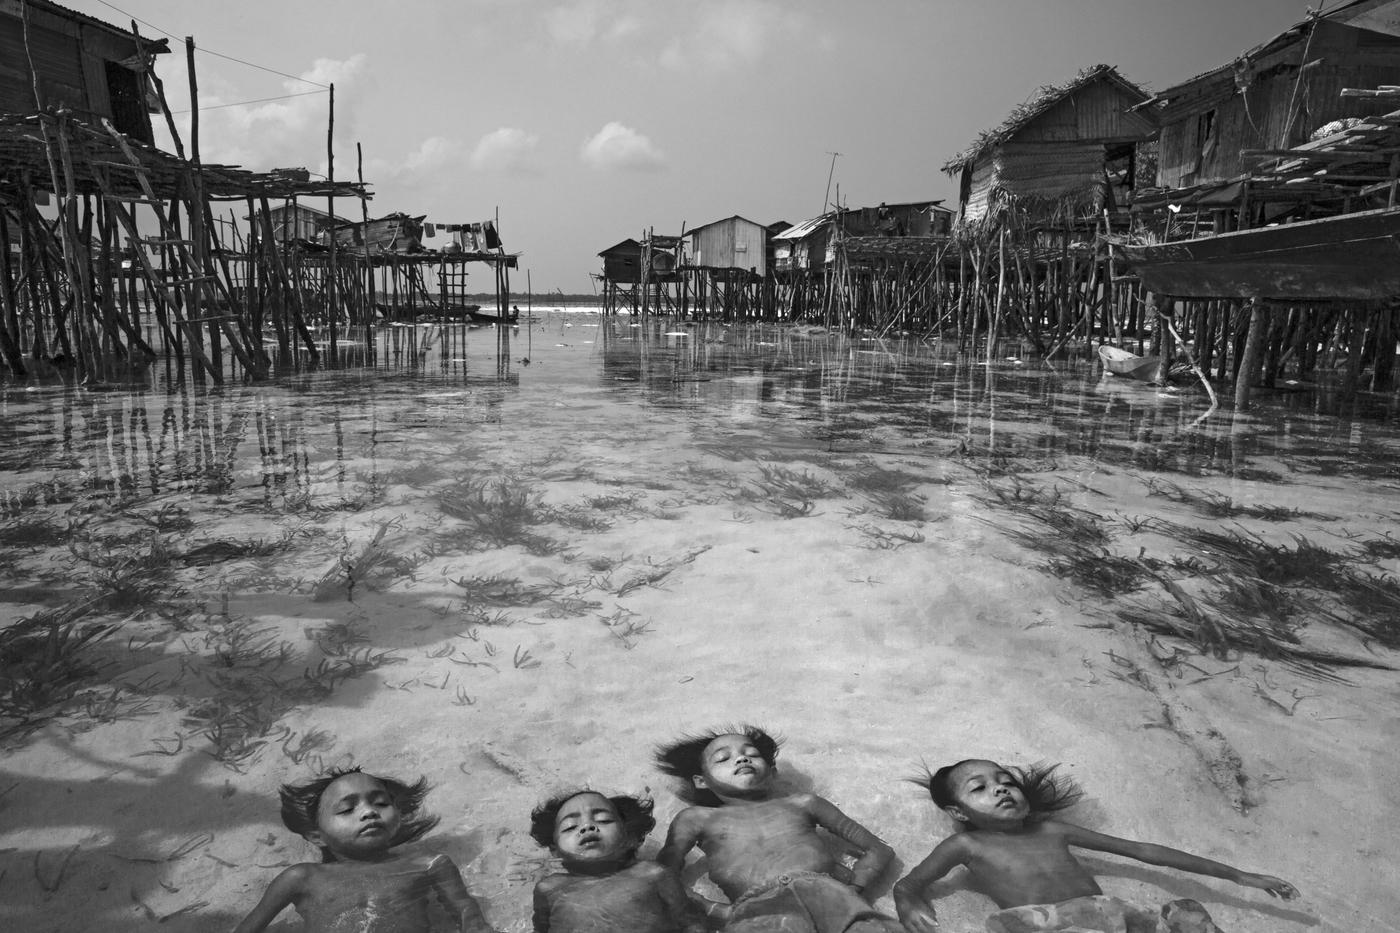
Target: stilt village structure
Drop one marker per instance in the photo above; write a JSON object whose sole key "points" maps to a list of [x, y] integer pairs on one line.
{"points": [[139, 264], [1068, 211]]}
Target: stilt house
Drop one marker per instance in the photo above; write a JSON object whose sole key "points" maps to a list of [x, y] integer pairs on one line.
{"points": [[1071, 146], [1279, 93], [730, 244], [622, 262], [802, 246], [89, 67], [297, 222]]}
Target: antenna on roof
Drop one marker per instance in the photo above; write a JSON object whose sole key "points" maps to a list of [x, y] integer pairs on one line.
{"points": [[827, 197]]}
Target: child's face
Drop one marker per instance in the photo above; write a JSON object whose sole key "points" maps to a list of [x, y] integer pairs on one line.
{"points": [[356, 817], [732, 766], [588, 829], [987, 795]]}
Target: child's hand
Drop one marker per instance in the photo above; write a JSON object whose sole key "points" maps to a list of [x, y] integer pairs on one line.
{"points": [[918, 918], [1275, 886]]}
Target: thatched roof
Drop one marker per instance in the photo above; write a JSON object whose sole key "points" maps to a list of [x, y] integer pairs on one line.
{"points": [[1048, 96]]}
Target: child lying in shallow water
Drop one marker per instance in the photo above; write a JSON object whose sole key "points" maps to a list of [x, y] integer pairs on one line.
{"points": [[1021, 858], [361, 884], [604, 888], [763, 847]]}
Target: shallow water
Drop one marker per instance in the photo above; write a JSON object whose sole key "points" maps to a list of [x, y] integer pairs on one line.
{"points": [[278, 551]]}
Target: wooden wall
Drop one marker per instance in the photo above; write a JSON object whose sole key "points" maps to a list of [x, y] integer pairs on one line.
{"points": [[735, 243], [75, 63], [1260, 117], [623, 263], [1061, 151]]}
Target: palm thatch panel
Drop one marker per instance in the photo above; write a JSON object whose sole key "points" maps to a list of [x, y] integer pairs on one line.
{"points": [[1036, 177], [1109, 118]]}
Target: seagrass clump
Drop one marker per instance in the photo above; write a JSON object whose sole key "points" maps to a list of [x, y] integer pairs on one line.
{"points": [[500, 513]]}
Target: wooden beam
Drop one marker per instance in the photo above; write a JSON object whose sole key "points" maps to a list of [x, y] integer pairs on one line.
{"points": [[1387, 93], [1322, 155]]}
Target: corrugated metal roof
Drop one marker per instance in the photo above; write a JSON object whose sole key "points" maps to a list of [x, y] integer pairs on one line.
{"points": [[720, 221], [798, 231]]}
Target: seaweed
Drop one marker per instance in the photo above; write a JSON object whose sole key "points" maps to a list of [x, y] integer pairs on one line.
{"points": [[499, 513], [127, 575], [34, 533], [880, 539], [786, 493], [372, 565], [499, 590], [1097, 570], [45, 660], [899, 506], [623, 625], [1248, 555], [214, 552]]}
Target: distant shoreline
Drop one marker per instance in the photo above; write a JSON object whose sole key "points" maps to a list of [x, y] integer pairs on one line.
{"points": [[547, 299]]}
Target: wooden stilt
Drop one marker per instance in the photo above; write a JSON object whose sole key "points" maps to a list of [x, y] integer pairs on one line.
{"points": [[1254, 343]]}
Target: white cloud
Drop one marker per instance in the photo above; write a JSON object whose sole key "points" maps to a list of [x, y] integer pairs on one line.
{"points": [[262, 136], [507, 149], [575, 23], [433, 153], [618, 147], [730, 32], [581, 22], [624, 27]]}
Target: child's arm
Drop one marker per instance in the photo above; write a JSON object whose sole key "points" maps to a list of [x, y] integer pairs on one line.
{"points": [[915, 910], [1170, 858], [684, 914], [681, 837], [684, 834], [452, 893], [283, 891], [875, 855], [540, 916]]}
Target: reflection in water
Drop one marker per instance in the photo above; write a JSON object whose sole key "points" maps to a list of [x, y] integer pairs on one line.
{"points": [[259, 549]]}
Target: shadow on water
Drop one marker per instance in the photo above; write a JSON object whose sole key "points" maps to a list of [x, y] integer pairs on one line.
{"points": [[145, 535]]}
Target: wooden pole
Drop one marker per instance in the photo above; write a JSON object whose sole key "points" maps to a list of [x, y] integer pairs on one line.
{"points": [[1253, 345], [369, 265], [331, 306]]}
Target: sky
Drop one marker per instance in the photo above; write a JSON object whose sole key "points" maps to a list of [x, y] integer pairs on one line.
{"points": [[581, 123]]}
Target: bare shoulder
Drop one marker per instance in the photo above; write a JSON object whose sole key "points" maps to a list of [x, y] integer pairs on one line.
{"points": [[1058, 828], [552, 883], [300, 874], [432, 862], [694, 818], [649, 870], [957, 846], [297, 879]]}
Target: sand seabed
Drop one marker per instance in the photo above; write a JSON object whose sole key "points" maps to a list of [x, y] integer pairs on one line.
{"points": [[515, 577]]}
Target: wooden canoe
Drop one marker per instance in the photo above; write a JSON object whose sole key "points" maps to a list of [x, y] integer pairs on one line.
{"points": [[1119, 362], [1350, 256]]}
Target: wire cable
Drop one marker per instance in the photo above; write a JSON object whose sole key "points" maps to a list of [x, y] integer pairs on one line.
{"points": [[231, 58], [241, 103]]}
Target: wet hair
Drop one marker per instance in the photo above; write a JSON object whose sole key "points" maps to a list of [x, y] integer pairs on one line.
{"points": [[685, 758], [1045, 791], [635, 813], [301, 803]]}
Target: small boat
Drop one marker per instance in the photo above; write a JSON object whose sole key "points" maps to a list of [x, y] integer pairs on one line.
{"points": [[1352, 256], [1120, 362], [479, 316]]}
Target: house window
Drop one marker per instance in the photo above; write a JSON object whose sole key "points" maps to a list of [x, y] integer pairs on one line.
{"points": [[1205, 133]]}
